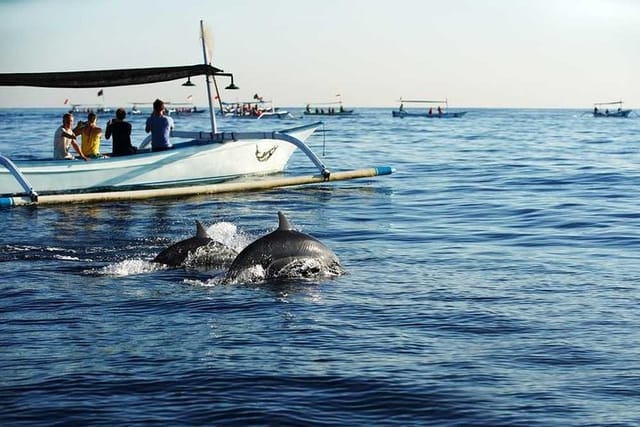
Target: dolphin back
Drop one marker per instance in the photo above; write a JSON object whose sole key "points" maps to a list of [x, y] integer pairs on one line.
{"points": [[283, 247], [197, 250]]}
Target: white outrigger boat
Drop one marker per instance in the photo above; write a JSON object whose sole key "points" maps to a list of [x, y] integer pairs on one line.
{"points": [[203, 164], [618, 112], [427, 111]]}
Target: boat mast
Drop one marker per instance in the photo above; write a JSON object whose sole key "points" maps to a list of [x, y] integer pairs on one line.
{"points": [[212, 116]]}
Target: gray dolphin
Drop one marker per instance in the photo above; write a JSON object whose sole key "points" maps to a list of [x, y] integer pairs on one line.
{"points": [[198, 250], [282, 248]]}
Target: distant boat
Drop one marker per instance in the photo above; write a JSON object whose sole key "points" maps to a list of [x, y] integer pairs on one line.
{"points": [[618, 112], [135, 107], [182, 108], [255, 109], [327, 108], [427, 111], [89, 108]]}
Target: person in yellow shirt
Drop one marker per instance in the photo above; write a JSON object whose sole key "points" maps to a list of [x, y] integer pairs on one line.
{"points": [[91, 136]]}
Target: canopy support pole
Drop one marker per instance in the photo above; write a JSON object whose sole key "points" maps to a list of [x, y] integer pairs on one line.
{"points": [[212, 115]]}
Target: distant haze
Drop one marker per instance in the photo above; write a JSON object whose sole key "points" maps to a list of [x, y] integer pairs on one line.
{"points": [[489, 53]]}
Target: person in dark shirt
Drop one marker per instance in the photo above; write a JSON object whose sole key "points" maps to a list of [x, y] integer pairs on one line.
{"points": [[121, 132]]}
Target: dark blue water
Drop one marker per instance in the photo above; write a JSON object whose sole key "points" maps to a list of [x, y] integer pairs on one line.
{"points": [[493, 280]]}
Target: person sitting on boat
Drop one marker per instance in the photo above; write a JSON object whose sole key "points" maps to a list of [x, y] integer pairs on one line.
{"points": [[121, 132], [91, 135], [160, 127], [439, 110], [308, 109], [430, 111], [63, 138]]}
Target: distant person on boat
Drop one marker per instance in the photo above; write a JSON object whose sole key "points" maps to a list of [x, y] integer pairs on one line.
{"points": [[439, 111], [91, 135], [431, 111], [63, 138], [121, 132], [160, 127]]}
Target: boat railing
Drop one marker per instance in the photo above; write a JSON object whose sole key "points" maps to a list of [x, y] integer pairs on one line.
{"points": [[19, 177]]}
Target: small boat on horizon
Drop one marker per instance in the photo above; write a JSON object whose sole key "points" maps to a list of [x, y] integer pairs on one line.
{"points": [[618, 112], [89, 108], [258, 108], [327, 108], [428, 111], [183, 108]]}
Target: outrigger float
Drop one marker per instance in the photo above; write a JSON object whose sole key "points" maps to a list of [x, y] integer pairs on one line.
{"points": [[206, 163]]}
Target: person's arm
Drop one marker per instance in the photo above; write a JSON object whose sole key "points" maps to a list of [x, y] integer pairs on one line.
{"points": [[68, 135], [78, 129], [147, 128], [107, 133], [77, 148]]}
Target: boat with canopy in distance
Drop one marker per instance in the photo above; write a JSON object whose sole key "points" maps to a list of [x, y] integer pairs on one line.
{"points": [[202, 162], [258, 108], [618, 112], [327, 108], [183, 108], [89, 108], [425, 108]]}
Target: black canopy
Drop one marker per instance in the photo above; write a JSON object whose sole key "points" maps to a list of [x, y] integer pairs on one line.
{"points": [[106, 78]]}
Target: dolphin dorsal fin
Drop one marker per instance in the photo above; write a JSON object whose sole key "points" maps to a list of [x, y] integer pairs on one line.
{"points": [[283, 222], [200, 230]]}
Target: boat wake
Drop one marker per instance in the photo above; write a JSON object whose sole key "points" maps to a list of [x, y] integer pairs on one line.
{"points": [[127, 268], [203, 259], [301, 270]]}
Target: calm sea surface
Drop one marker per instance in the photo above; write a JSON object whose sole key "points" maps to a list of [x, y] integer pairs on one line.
{"points": [[493, 280]]}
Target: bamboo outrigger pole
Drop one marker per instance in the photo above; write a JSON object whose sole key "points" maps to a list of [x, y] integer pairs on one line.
{"points": [[226, 187]]}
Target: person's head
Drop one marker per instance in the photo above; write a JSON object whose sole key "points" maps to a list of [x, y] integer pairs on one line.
{"points": [[67, 119], [158, 106], [121, 114], [91, 117]]}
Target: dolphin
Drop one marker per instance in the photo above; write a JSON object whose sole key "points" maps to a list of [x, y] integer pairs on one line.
{"points": [[284, 248], [197, 250]]}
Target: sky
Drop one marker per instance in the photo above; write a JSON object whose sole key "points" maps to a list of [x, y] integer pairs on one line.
{"points": [[475, 53]]}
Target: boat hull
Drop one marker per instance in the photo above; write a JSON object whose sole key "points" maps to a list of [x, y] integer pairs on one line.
{"points": [[620, 113], [446, 115], [338, 113], [188, 163]]}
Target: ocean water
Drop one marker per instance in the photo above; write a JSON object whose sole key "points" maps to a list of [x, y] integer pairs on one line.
{"points": [[493, 280]]}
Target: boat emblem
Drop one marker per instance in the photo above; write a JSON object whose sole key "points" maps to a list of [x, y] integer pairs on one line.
{"points": [[265, 155]]}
